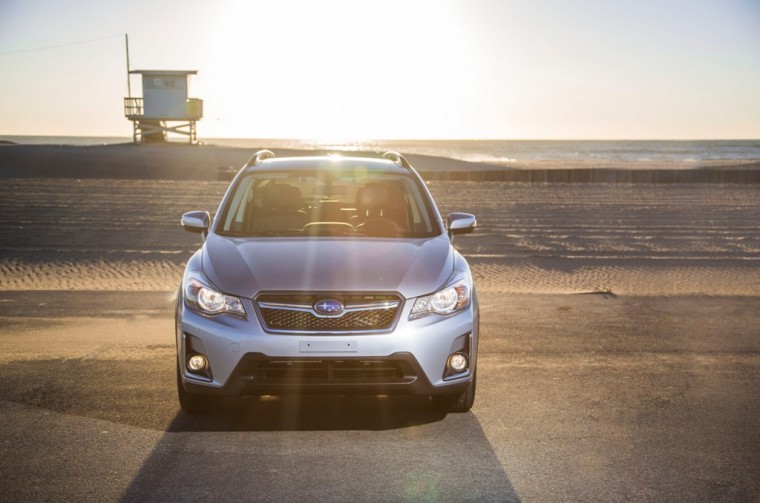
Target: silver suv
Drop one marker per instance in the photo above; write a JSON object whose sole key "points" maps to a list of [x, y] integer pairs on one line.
{"points": [[326, 275]]}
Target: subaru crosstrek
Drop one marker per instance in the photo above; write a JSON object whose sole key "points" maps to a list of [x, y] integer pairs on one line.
{"points": [[327, 275]]}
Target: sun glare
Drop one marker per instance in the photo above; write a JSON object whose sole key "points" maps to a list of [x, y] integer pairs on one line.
{"points": [[336, 70], [340, 70]]}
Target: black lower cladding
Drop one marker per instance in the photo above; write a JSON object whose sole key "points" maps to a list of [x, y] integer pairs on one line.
{"points": [[259, 374], [326, 371]]}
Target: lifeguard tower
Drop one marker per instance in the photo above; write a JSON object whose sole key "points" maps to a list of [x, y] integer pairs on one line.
{"points": [[164, 107]]}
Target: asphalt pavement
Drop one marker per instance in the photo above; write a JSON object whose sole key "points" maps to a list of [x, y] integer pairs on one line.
{"points": [[580, 398]]}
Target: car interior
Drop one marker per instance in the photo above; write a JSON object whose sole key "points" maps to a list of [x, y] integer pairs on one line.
{"points": [[379, 208]]}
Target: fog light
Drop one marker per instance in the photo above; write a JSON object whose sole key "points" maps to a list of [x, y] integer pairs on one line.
{"points": [[458, 362], [196, 363]]}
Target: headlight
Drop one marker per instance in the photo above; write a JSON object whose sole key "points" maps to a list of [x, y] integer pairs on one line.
{"points": [[450, 299], [208, 300]]}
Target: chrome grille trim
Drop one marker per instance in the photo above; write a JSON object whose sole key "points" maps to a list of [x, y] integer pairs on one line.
{"points": [[346, 309]]}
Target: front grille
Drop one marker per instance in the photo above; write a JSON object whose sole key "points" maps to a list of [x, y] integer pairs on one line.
{"points": [[325, 372], [377, 319], [296, 313]]}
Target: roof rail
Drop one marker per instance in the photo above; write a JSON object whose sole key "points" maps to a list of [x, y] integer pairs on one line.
{"points": [[258, 157], [397, 158]]}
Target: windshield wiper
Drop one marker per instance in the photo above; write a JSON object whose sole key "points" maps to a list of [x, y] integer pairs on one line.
{"points": [[251, 234]]}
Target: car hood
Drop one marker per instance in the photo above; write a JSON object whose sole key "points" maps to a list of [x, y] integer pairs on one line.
{"points": [[244, 267]]}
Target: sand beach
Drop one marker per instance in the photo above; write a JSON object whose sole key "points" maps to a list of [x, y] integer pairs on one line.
{"points": [[106, 218]]}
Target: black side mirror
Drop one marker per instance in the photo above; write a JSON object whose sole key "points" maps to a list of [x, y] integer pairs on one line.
{"points": [[460, 223], [196, 221]]}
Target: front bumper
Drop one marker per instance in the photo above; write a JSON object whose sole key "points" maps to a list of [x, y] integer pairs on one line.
{"points": [[259, 374], [246, 360]]}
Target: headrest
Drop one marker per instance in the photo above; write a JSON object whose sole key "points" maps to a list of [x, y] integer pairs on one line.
{"points": [[379, 195], [283, 198]]}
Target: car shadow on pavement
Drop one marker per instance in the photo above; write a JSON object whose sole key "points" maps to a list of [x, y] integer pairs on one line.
{"points": [[323, 449], [295, 448], [312, 413]]}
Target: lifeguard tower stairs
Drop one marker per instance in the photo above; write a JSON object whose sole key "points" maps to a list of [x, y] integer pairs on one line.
{"points": [[164, 107]]}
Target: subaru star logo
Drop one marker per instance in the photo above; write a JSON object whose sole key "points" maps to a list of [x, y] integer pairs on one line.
{"points": [[328, 307]]}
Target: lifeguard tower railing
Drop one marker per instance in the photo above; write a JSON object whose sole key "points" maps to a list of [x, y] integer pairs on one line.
{"points": [[154, 129]]}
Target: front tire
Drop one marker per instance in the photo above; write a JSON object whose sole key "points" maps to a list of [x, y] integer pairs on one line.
{"points": [[458, 403]]}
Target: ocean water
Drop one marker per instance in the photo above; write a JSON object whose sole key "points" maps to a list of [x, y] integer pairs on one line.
{"points": [[570, 153], [514, 153]]}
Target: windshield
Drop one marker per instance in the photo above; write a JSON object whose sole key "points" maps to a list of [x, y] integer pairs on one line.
{"points": [[332, 203]]}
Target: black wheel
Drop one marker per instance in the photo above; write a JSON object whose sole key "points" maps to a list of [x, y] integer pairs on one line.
{"points": [[457, 403], [194, 403]]}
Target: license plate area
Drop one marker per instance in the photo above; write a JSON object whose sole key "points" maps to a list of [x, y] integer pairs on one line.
{"points": [[327, 347]]}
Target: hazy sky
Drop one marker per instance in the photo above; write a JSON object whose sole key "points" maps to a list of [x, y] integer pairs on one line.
{"points": [[392, 69]]}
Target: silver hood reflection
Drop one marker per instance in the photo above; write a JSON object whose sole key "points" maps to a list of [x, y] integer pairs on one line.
{"points": [[244, 267]]}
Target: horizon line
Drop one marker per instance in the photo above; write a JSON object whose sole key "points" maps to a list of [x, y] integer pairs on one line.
{"points": [[361, 140]]}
